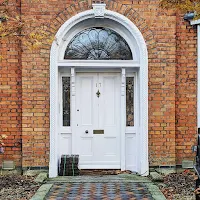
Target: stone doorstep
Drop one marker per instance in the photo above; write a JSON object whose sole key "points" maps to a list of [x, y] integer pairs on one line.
{"points": [[98, 179]]}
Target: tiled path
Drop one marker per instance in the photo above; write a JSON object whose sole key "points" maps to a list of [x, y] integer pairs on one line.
{"points": [[98, 191], [103, 188]]}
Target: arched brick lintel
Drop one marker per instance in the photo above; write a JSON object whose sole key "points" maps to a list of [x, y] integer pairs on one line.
{"points": [[126, 10]]}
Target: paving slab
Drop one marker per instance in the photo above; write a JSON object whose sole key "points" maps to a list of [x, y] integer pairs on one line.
{"points": [[155, 192], [156, 176], [42, 192], [165, 171], [41, 177]]}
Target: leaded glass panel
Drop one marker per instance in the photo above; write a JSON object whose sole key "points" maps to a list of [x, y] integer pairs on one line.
{"points": [[66, 101], [98, 44], [130, 101]]}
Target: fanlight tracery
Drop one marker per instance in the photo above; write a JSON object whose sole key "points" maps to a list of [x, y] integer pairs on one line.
{"points": [[98, 44]]}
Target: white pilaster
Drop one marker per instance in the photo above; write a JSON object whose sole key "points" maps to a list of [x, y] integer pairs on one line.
{"points": [[123, 118], [54, 109], [73, 110]]}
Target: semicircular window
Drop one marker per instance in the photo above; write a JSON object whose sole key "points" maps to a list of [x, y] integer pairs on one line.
{"points": [[98, 44]]}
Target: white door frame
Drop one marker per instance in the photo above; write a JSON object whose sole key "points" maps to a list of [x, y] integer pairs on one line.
{"points": [[124, 131], [132, 35]]}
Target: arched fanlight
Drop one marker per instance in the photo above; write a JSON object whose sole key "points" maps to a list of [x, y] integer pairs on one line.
{"points": [[98, 44]]}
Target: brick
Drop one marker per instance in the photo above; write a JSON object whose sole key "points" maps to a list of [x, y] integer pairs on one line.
{"points": [[171, 43]]}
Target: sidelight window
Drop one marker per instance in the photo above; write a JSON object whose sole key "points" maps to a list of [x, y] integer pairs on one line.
{"points": [[66, 100], [129, 101]]}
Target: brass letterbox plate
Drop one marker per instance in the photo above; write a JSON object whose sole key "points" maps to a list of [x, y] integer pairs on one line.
{"points": [[98, 131]]}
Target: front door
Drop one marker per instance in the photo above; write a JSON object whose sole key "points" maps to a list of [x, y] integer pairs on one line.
{"points": [[97, 136]]}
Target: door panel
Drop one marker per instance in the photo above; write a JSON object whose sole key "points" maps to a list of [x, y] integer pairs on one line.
{"points": [[108, 101], [109, 116], [86, 147], [99, 112], [85, 115], [86, 105]]}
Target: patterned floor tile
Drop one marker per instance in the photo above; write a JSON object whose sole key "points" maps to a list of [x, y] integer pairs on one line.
{"points": [[99, 191]]}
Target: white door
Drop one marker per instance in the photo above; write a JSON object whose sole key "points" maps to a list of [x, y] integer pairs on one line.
{"points": [[97, 135]]}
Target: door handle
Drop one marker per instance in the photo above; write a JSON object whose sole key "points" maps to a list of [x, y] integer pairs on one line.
{"points": [[86, 131]]}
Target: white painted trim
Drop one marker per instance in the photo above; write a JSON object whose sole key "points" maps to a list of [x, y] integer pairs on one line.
{"points": [[99, 10], [112, 166], [73, 108], [54, 113], [135, 34], [195, 22], [98, 70], [98, 63], [123, 118], [65, 130], [130, 130]]}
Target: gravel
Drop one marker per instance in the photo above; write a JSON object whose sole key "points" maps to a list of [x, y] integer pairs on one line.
{"points": [[179, 185], [17, 187]]}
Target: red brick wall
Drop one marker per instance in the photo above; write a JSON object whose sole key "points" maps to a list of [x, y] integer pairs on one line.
{"points": [[172, 79], [10, 96], [186, 90]]}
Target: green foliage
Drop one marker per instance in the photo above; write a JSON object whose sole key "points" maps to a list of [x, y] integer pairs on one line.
{"points": [[184, 6], [11, 25], [2, 138]]}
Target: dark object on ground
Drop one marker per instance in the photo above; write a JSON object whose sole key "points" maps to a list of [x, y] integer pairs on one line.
{"points": [[17, 187], [197, 168], [179, 185], [69, 165], [197, 191]]}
